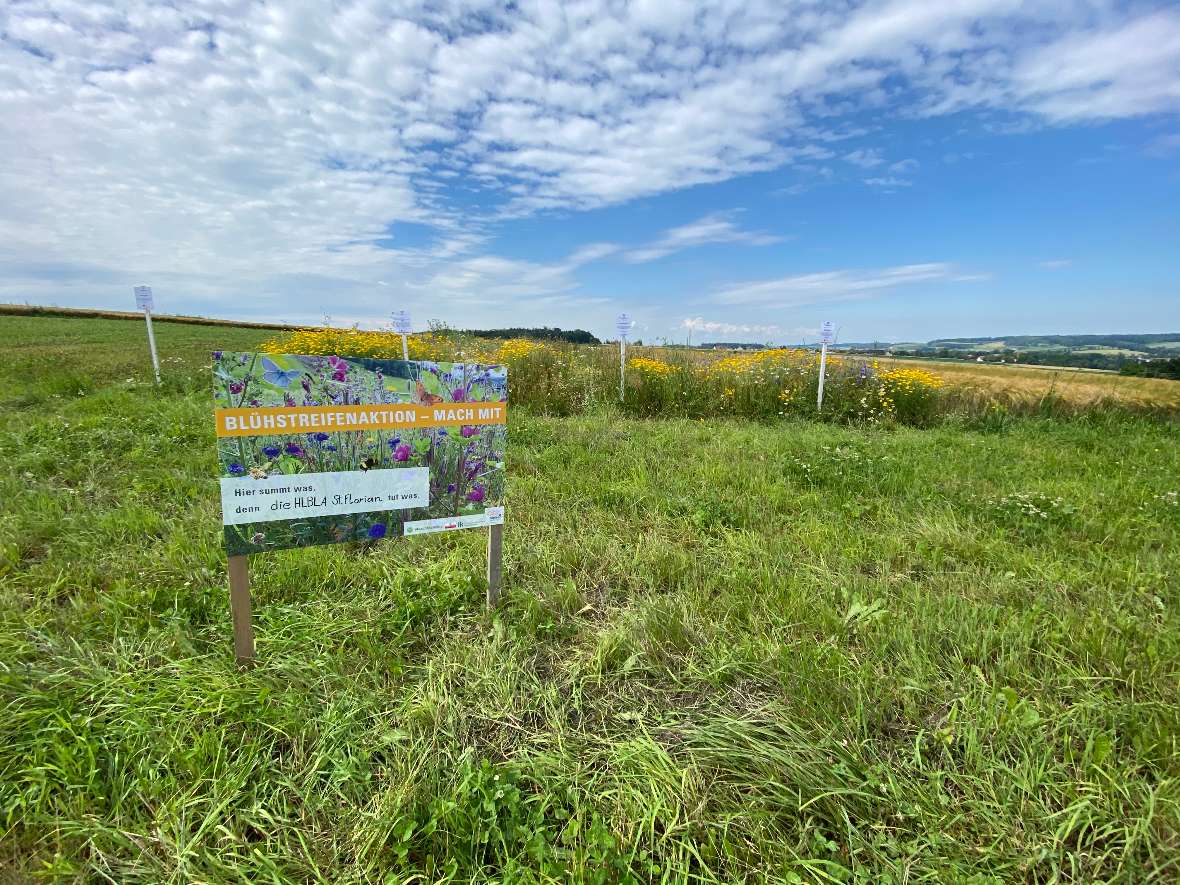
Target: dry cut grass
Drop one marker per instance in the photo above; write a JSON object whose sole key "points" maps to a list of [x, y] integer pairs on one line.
{"points": [[1031, 383]]}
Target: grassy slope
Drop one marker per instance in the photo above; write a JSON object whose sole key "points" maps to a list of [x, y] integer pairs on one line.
{"points": [[727, 652]]}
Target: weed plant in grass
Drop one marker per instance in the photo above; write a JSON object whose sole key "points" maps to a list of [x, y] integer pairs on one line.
{"points": [[727, 652]]}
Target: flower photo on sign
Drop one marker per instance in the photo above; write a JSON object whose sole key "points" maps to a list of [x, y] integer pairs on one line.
{"points": [[322, 449]]}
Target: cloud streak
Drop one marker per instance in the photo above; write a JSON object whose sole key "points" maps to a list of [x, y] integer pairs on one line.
{"points": [[834, 285], [718, 227]]}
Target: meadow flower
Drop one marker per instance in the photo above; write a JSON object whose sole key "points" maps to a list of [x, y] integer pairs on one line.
{"points": [[393, 443], [236, 387], [377, 530], [271, 451], [477, 494], [237, 469], [319, 437], [459, 394], [295, 450], [401, 452], [467, 431], [217, 355], [450, 488]]}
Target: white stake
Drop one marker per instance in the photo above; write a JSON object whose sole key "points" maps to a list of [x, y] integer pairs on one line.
{"points": [[401, 322], [823, 365], [622, 367], [826, 336], [623, 326], [144, 301]]}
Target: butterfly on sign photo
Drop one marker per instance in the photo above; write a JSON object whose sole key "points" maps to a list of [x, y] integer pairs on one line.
{"points": [[423, 398], [272, 374]]}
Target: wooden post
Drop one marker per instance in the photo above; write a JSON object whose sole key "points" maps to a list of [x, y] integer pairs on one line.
{"points": [[495, 562], [239, 606]]}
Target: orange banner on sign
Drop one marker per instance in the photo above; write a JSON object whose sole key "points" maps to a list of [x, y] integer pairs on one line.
{"points": [[272, 421]]}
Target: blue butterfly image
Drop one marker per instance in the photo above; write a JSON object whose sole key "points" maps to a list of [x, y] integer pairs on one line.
{"points": [[272, 374]]}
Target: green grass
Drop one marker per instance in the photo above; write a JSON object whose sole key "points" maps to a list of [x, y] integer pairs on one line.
{"points": [[726, 652]]}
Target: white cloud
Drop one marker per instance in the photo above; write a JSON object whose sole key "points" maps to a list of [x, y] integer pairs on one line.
{"points": [[888, 182], [713, 327], [835, 285], [719, 227], [866, 158]]}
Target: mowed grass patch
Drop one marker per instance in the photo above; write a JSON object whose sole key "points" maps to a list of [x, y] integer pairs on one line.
{"points": [[726, 652]]}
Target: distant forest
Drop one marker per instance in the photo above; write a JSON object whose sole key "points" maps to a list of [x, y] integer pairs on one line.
{"points": [[540, 333], [1138, 354]]}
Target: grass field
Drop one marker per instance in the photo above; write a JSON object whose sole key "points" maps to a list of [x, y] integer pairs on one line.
{"points": [[1076, 386], [727, 651]]}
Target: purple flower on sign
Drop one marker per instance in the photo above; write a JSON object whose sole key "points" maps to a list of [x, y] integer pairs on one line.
{"points": [[271, 451], [288, 400], [235, 387], [451, 488], [393, 442], [477, 494], [377, 530], [339, 368], [236, 469], [459, 394], [329, 448], [401, 452], [467, 431], [295, 450], [319, 437], [217, 355]]}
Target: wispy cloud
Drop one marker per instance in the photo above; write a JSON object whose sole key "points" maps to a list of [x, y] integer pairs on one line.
{"points": [[713, 327], [719, 227], [888, 182], [866, 158], [835, 285]]}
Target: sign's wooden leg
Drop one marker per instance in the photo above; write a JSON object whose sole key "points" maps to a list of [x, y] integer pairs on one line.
{"points": [[239, 606], [495, 562]]}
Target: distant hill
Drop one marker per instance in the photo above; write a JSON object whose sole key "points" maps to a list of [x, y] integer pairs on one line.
{"points": [[1086, 351]]}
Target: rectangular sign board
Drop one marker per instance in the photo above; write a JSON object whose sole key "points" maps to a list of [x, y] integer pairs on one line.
{"points": [[321, 449], [143, 298], [827, 333]]}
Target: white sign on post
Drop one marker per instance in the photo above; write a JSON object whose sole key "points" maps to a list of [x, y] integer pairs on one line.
{"points": [[401, 325], [826, 336], [623, 324], [145, 302]]}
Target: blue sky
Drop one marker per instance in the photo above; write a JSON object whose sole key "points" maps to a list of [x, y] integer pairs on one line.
{"points": [[721, 169]]}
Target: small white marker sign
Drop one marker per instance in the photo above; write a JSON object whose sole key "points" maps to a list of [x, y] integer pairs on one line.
{"points": [[623, 325], [401, 322], [143, 298], [827, 334]]}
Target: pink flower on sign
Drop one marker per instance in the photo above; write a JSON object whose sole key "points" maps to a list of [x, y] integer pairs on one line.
{"points": [[401, 452], [467, 431], [339, 368], [477, 494]]}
